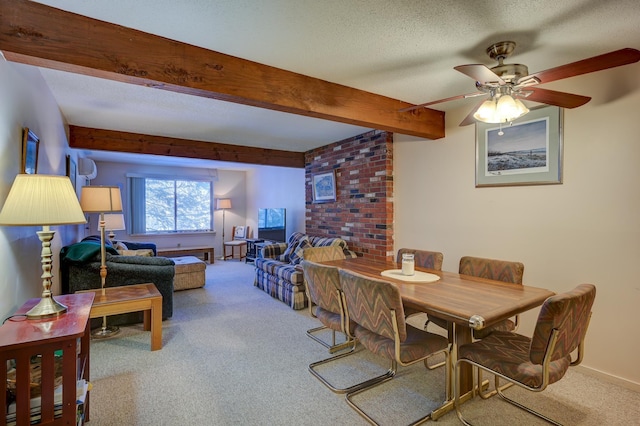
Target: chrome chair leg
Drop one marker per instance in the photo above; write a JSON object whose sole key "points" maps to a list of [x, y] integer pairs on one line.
{"points": [[324, 381], [497, 390], [493, 392], [368, 385], [434, 414], [525, 408], [333, 346]]}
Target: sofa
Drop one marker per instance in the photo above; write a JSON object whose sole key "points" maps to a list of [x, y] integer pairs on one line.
{"points": [[80, 270], [278, 269]]}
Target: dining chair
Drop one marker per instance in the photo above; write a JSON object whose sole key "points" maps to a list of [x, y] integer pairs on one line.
{"points": [[325, 304], [492, 269], [429, 260], [240, 233], [316, 285], [423, 258], [376, 308], [536, 362]]}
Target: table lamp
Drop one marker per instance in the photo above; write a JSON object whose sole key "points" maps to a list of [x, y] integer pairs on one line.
{"points": [[113, 222], [102, 199], [42, 200]]}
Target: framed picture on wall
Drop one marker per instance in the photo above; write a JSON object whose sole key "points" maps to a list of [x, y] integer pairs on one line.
{"points": [[526, 152], [324, 187], [30, 147]]}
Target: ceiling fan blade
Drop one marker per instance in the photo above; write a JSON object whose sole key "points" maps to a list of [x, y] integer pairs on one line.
{"points": [[585, 66], [551, 97], [452, 98], [469, 118], [480, 73]]}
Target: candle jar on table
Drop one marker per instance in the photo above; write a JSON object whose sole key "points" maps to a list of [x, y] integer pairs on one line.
{"points": [[408, 265]]}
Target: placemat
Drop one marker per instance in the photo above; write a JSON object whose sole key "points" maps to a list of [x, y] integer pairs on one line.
{"points": [[418, 277]]}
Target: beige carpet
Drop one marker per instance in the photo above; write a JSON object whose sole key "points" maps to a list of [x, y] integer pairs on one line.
{"points": [[234, 355]]}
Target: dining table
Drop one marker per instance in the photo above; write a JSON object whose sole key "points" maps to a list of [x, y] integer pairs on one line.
{"points": [[465, 301]]}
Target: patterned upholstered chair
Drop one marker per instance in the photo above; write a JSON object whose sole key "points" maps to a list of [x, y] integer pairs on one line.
{"points": [[322, 287], [536, 362], [326, 304], [424, 259], [377, 309]]}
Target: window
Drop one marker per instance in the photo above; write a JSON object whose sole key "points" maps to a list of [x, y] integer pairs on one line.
{"points": [[163, 205]]}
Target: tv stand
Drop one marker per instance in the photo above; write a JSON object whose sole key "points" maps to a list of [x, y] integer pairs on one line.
{"points": [[253, 245]]}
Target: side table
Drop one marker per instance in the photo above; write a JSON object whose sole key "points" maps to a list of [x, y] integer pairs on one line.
{"points": [[22, 339], [131, 298]]}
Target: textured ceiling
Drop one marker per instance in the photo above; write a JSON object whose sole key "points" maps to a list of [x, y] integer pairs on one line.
{"points": [[401, 49]]}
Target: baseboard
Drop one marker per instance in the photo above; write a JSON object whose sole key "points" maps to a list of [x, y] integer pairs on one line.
{"points": [[628, 384]]}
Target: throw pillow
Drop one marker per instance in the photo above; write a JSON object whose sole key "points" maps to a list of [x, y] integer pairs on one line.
{"points": [[294, 240], [139, 252], [297, 257]]}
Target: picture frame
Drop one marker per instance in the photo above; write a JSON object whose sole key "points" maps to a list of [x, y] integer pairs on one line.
{"points": [[30, 148], [72, 171], [527, 152], [324, 187]]}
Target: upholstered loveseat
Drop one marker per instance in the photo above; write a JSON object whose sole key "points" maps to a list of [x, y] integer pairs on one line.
{"points": [[80, 270], [278, 269]]}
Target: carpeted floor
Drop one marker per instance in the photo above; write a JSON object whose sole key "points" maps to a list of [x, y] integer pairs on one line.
{"points": [[234, 355]]}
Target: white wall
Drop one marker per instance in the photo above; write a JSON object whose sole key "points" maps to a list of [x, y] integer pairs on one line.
{"points": [[27, 102], [274, 187], [229, 184], [585, 230]]}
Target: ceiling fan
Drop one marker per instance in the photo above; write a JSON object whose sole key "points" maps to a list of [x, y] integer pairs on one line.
{"points": [[507, 84]]}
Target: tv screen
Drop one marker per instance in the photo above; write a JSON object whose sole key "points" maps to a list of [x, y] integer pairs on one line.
{"points": [[272, 224], [271, 218]]}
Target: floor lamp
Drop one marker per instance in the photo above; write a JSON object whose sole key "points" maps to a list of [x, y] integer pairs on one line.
{"points": [[42, 200], [223, 204], [102, 199]]}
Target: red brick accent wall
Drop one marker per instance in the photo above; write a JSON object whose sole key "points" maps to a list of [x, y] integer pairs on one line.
{"points": [[363, 211]]}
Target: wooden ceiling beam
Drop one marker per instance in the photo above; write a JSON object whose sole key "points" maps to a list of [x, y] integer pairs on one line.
{"points": [[109, 140], [36, 34]]}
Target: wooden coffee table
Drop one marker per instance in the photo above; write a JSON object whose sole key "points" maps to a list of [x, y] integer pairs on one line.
{"points": [[132, 298]]}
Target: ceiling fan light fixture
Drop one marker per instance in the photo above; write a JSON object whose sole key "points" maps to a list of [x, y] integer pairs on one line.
{"points": [[487, 111], [508, 108], [522, 108], [502, 109]]}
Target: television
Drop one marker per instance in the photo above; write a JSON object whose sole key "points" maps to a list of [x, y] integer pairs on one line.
{"points": [[272, 224]]}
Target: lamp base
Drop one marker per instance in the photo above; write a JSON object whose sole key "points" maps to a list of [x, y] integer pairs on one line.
{"points": [[47, 307], [105, 332]]}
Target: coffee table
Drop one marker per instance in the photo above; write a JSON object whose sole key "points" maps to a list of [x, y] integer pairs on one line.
{"points": [[132, 298]]}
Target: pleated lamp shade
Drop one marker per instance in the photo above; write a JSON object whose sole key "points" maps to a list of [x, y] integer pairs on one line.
{"points": [[41, 200]]}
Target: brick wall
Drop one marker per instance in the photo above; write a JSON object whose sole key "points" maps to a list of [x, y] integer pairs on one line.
{"points": [[363, 211]]}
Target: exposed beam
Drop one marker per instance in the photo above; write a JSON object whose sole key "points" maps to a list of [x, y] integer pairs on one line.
{"points": [[43, 36], [109, 140]]}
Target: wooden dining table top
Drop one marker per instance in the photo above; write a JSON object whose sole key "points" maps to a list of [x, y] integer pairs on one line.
{"points": [[463, 299]]}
